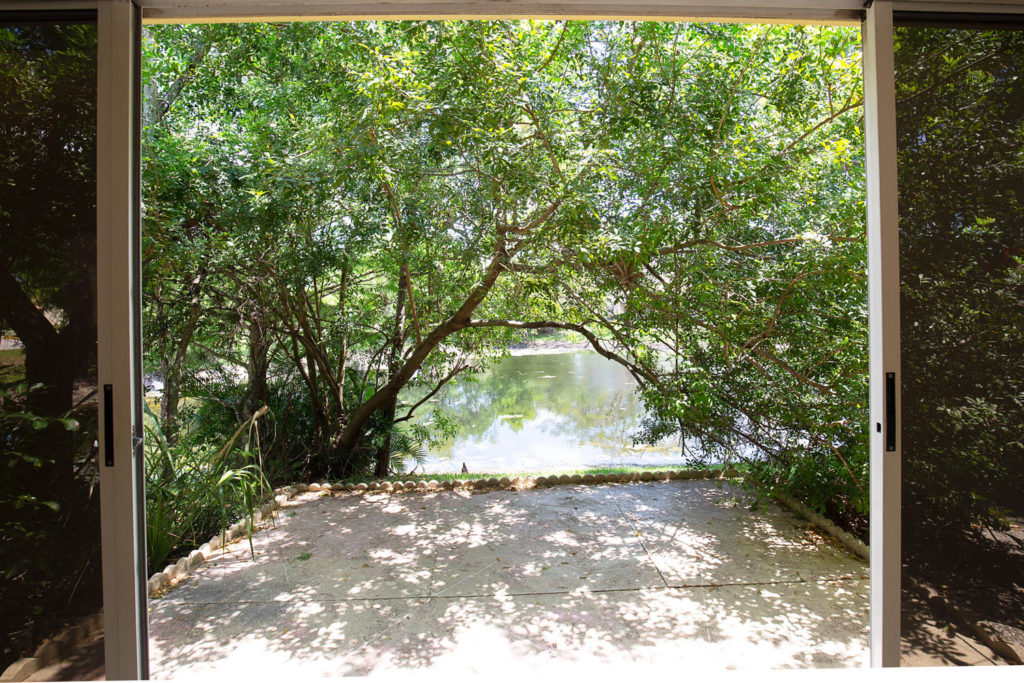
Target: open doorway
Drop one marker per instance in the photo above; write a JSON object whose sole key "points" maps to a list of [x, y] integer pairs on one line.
{"points": [[343, 221]]}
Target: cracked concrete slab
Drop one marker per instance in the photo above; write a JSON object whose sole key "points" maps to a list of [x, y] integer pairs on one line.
{"points": [[646, 573]]}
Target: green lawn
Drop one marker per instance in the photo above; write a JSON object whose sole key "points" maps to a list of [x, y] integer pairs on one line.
{"points": [[12, 366]]}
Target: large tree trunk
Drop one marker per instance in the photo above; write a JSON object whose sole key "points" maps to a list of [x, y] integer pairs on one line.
{"points": [[500, 263], [352, 432], [257, 393], [50, 360], [257, 364], [394, 360], [175, 367], [46, 362]]}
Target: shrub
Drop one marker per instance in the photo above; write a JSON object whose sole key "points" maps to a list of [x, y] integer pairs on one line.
{"points": [[194, 488]]}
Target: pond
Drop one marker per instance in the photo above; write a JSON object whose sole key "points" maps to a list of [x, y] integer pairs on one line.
{"points": [[542, 412]]}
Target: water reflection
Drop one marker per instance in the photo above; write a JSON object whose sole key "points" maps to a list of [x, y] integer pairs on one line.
{"points": [[545, 411]]}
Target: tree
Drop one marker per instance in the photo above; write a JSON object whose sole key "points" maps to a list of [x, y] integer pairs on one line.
{"points": [[427, 190]]}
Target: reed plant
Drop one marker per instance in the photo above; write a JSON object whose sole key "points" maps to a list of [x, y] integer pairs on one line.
{"points": [[195, 488]]}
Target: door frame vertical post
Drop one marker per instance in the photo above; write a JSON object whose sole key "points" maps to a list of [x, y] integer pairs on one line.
{"points": [[884, 331], [116, 201]]}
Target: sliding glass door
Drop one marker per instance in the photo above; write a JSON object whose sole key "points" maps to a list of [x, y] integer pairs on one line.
{"points": [[71, 580]]}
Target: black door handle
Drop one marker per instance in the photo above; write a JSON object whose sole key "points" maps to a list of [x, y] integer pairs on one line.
{"points": [[890, 411], [108, 425]]}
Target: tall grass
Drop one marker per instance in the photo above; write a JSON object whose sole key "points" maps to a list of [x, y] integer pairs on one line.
{"points": [[194, 489]]}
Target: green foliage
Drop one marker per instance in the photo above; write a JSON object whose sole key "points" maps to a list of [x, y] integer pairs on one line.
{"points": [[373, 206], [49, 517], [962, 281], [194, 489], [30, 512]]}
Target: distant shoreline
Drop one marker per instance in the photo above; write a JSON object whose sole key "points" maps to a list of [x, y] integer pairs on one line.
{"points": [[538, 347]]}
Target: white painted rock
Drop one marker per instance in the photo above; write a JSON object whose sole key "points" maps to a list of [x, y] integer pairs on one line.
{"points": [[21, 669], [73, 637], [94, 622], [153, 585], [48, 653]]}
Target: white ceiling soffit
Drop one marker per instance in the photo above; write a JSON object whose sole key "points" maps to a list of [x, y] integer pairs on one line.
{"points": [[803, 11], [785, 11]]}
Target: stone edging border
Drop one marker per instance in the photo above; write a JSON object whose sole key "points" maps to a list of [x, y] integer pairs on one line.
{"points": [[856, 545], [519, 483], [55, 649], [68, 641], [1013, 653]]}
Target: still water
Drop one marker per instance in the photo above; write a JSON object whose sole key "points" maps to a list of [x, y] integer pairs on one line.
{"points": [[542, 412]]}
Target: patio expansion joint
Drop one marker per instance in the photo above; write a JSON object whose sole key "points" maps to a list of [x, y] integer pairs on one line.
{"points": [[640, 538], [424, 599], [433, 564]]}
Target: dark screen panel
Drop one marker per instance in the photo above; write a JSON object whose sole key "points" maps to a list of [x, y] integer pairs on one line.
{"points": [[960, 113], [50, 575]]}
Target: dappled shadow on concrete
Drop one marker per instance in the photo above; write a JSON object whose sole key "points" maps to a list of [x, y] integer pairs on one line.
{"points": [[460, 582], [928, 638]]}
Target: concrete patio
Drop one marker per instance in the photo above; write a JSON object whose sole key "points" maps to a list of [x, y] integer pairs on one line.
{"points": [[652, 574]]}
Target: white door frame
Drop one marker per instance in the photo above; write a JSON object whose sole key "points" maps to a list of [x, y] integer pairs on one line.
{"points": [[117, 203], [882, 228], [883, 332]]}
